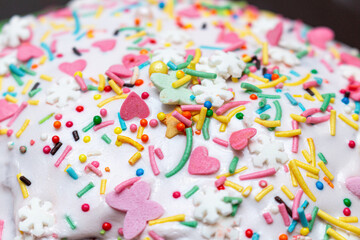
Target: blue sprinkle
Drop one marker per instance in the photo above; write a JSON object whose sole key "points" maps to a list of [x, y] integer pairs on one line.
{"points": [[144, 64], [72, 173], [301, 106], [207, 104], [319, 185], [211, 47], [192, 97], [13, 94], [77, 23], [278, 90], [302, 217], [357, 107], [318, 80], [47, 49], [291, 99], [268, 76], [29, 63], [161, 5], [255, 236], [172, 65], [345, 100], [139, 172], [263, 109], [81, 36], [292, 226], [305, 204], [16, 70], [235, 16], [295, 73], [122, 123]]}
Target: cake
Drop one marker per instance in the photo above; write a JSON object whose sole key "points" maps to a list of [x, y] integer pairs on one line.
{"points": [[176, 120]]}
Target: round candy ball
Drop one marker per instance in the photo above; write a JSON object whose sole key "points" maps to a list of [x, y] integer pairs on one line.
{"points": [[46, 149], [158, 67], [347, 212], [55, 139], [347, 202], [209, 113], [97, 120], [153, 123], [139, 172], [106, 226], [304, 231], [176, 194], [207, 104], [82, 158], [161, 116], [352, 144], [319, 185], [23, 149], [145, 95], [103, 112], [249, 233], [69, 124], [85, 207], [133, 127]]}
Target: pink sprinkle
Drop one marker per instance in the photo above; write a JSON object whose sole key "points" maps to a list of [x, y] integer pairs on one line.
{"points": [[133, 127], [159, 153], [119, 188], [284, 214], [295, 142], [17, 113], [103, 124], [310, 84], [60, 33], [118, 80], [181, 118], [221, 142], [252, 69], [310, 111], [263, 183], [327, 65], [268, 218], [9, 132], [53, 46], [243, 78], [58, 116], [260, 174], [191, 107], [121, 232], [32, 142], [95, 164], [286, 168], [93, 169], [229, 105], [1, 228], [153, 165], [155, 236], [126, 90], [153, 123], [220, 181], [308, 216], [143, 43], [63, 155], [315, 120], [103, 112], [81, 83], [235, 46], [46, 149], [296, 204]]}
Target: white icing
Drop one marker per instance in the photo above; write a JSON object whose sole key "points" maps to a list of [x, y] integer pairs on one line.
{"points": [[6, 61], [63, 90]]}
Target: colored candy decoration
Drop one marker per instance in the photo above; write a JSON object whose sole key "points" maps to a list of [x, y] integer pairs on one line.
{"points": [[319, 36], [7, 109], [27, 51], [201, 164], [216, 93], [71, 68], [274, 35], [134, 106], [240, 139], [105, 45], [353, 185]]}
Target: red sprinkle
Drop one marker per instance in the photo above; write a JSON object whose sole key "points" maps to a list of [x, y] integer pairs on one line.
{"points": [[176, 194], [107, 88], [221, 187], [143, 122], [69, 124], [55, 139], [46, 149], [144, 95], [85, 207], [79, 108], [248, 233], [347, 211], [253, 97], [352, 144], [106, 226]]}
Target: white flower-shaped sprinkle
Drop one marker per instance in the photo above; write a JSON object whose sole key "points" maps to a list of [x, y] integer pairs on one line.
{"points": [[280, 55], [36, 218], [175, 36], [291, 43], [63, 90], [6, 61], [227, 64], [217, 94], [203, 66], [16, 30], [225, 229], [169, 54], [348, 71]]}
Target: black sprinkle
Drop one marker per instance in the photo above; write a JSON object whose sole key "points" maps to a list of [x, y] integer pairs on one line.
{"points": [[264, 71], [254, 58], [56, 148], [116, 32], [347, 94], [203, 26], [36, 85], [25, 181], [76, 51], [129, 85], [75, 135], [257, 64], [108, 78], [279, 200], [310, 92]]}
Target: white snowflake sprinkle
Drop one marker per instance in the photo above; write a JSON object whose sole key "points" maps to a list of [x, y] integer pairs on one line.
{"points": [[204, 66], [280, 55], [217, 94], [169, 54], [16, 30], [6, 61], [175, 36], [227, 64], [63, 90]]}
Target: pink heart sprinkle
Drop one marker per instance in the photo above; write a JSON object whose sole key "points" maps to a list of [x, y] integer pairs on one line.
{"points": [[132, 60], [134, 106], [240, 139], [353, 185], [320, 36], [7, 109], [350, 59], [201, 164], [26, 51], [190, 12], [120, 71], [274, 35], [105, 45], [71, 68]]}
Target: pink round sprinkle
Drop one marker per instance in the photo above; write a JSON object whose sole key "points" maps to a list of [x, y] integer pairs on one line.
{"points": [[153, 123], [252, 69], [9, 132], [58, 116], [121, 231], [103, 112], [32, 142], [144, 95], [46, 149], [85, 207], [126, 90], [347, 211], [263, 184], [69, 124], [176, 194], [95, 164], [133, 127]]}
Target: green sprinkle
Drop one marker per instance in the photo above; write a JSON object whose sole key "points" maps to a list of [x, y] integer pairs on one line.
{"points": [[34, 92], [102, 232], [92, 88], [249, 64], [137, 40], [18, 80], [70, 222], [276, 71], [192, 224], [88, 127], [247, 71], [185, 64], [262, 102], [191, 192], [27, 70], [278, 114], [138, 48], [200, 74], [233, 164], [205, 129], [233, 200], [85, 190], [302, 54], [322, 158], [239, 116], [313, 214], [209, 113], [314, 71], [258, 51], [235, 207], [216, 7], [106, 138], [347, 202], [326, 236], [131, 28], [249, 86], [326, 102], [264, 116], [46, 118], [269, 96]]}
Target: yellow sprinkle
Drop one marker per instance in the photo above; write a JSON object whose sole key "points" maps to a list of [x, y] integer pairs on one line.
{"points": [[87, 139], [181, 81], [247, 58], [136, 35], [301, 81], [33, 102], [97, 96], [297, 95], [146, 238], [117, 130], [307, 167], [272, 83], [290, 133], [23, 188], [309, 97], [221, 118], [124, 139], [189, 44], [293, 180], [26, 87], [246, 192], [317, 94], [312, 175], [202, 116], [10, 98], [297, 175], [332, 233], [298, 118], [265, 56], [176, 218], [232, 113], [101, 83], [321, 164], [195, 118], [338, 223], [349, 219], [99, 12], [11, 88], [1, 81], [197, 55], [158, 25], [257, 39], [3, 131], [332, 122], [229, 26], [261, 79], [222, 127], [46, 77], [140, 132], [233, 185], [115, 87], [106, 101], [287, 192], [355, 117], [264, 192], [23, 128], [266, 123], [335, 52], [67, 167], [169, 8], [232, 174], [45, 36], [103, 186], [306, 155], [348, 122], [135, 158], [118, 143], [42, 60]]}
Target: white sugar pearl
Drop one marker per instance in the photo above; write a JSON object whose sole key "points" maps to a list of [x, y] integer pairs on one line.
{"points": [[43, 137]]}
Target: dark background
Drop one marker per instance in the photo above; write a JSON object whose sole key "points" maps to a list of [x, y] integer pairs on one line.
{"points": [[343, 16]]}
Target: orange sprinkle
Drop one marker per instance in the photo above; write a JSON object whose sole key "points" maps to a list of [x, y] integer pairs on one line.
{"points": [[139, 82], [107, 169], [137, 21], [198, 132], [244, 47], [244, 55], [93, 80], [34, 66], [57, 124], [144, 51], [326, 179], [253, 97]]}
